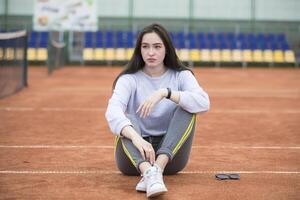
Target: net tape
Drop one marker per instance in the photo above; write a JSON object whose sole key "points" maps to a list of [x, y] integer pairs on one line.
{"points": [[12, 35]]}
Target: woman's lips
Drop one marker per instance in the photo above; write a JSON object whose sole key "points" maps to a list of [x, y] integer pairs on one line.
{"points": [[151, 60]]}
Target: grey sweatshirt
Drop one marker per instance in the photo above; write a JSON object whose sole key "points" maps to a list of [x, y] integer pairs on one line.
{"points": [[133, 89]]}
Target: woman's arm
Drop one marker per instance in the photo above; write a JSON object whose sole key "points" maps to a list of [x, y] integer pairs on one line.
{"points": [[192, 97], [144, 147], [117, 105]]}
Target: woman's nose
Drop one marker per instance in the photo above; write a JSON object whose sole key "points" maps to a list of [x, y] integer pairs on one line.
{"points": [[151, 51]]}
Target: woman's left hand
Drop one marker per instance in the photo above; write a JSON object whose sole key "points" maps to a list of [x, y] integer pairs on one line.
{"points": [[146, 107]]}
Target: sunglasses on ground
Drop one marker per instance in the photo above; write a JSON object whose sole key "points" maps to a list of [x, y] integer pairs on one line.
{"points": [[227, 176]]}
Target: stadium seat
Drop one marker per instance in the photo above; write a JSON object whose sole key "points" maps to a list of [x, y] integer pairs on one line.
{"points": [[278, 53], [120, 50], [236, 54], [32, 45], [109, 51], [257, 52], [42, 50], [99, 50], [129, 44], [289, 55], [267, 53], [215, 52], [9, 49], [194, 53], [88, 51], [204, 52], [225, 52], [246, 52], [183, 52]]}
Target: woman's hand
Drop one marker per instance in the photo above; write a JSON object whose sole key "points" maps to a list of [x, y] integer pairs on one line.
{"points": [[145, 149], [146, 107]]}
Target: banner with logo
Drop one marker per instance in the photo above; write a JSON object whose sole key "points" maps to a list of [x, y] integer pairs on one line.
{"points": [[76, 15]]}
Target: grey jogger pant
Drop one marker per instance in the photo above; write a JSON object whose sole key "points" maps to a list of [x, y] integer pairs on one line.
{"points": [[176, 144]]}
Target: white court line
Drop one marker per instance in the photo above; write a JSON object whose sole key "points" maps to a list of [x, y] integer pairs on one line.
{"points": [[54, 109], [60, 109], [76, 172], [247, 91], [111, 147]]}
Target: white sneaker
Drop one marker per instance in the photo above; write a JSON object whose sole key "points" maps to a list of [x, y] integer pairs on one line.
{"points": [[141, 186], [154, 183]]}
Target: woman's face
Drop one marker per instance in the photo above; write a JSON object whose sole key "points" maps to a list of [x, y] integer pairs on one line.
{"points": [[153, 50]]}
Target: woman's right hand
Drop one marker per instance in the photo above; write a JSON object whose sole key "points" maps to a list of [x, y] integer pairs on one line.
{"points": [[145, 148]]}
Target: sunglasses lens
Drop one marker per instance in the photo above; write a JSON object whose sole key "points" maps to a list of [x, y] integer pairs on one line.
{"points": [[222, 176], [234, 176]]}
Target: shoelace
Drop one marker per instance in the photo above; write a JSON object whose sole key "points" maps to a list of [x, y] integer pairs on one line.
{"points": [[154, 177]]}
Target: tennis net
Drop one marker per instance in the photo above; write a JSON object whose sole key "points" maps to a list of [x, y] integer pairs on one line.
{"points": [[13, 62]]}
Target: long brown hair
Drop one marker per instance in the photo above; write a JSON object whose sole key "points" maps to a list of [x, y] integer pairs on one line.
{"points": [[136, 62]]}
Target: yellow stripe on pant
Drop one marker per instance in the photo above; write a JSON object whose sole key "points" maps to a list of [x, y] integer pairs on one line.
{"points": [[185, 135], [125, 150]]}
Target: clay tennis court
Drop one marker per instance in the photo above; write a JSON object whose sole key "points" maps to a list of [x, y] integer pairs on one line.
{"points": [[55, 142]]}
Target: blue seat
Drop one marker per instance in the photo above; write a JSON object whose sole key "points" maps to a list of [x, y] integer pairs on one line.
{"points": [[88, 39], [220, 37], [129, 39], [120, 39], [191, 41], [210, 36], [173, 37], [200, 38], [230, 37], [180, 44], [109, 39], [232, 45], [241, 37], [99, 39], [251, 38], [212, 44], [271, 37], [43, 41], [281, 38], [32, 40], [260, 38]]}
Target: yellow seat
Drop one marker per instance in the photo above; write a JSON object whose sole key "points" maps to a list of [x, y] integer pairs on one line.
{"points": [[226, 55], [195, 55], [268, 55], [10, 54], [237, 55], [88, 54], [19, 54], [41, 54], [278, 56], [120, 54], [1, 54], [215, 55], [247, 55], [258, 55], [289, 56], [129, 53], [183, 54], [109, 54], [31, 54], [205, 55], [99, 54]]}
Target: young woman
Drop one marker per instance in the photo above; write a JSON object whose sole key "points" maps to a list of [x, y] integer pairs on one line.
{"points": [[152, 111]]}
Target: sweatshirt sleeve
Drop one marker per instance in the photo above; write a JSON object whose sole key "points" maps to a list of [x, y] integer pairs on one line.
{"points": [[192, 97], [117, 104]]}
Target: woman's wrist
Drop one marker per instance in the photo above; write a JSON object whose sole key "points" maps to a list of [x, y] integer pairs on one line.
{"points": [[128, 132]]}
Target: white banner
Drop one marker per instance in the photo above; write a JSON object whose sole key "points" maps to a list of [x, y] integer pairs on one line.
{"points": [[77, 15]]}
